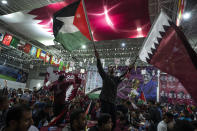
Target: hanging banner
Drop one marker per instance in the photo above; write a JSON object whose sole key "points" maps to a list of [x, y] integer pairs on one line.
{"points": [[27, 48], [7, 40], [33, 51], [172, 91], [181, 7], [1, 36]]}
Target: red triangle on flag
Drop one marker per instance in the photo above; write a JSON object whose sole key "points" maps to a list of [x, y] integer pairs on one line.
{"points": [[142, 97], [80, 21]]}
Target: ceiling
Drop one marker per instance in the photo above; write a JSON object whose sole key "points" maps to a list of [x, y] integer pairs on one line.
{"points": [[108, 49]]}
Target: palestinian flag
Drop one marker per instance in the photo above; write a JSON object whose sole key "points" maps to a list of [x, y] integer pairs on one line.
{"points": [[167, 48], [142, 96], [65, 31]]}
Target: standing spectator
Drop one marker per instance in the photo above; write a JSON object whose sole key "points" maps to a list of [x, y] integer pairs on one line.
{"points": [[77, 121], [155, 116], [43, 117], [18, 118], [109, 90], [163, 125], [5, 89], [4, 105], [59, 95], [104, 123]]}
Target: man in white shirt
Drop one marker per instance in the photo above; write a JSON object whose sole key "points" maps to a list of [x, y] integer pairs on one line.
{"points": [[163, 125]]}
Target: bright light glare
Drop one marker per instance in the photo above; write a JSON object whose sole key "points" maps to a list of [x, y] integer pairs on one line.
{"points": [[107, 18], [4, 2], [123, 44], [139, 29], [38, 85], [83, 47], [186, 15]]}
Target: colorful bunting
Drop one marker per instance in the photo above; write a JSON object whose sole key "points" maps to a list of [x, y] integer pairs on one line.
{"points": [[33, 51], [14, 43], [7, 40], [42, 55], [27, 48], [1, 36], [38, 53]]}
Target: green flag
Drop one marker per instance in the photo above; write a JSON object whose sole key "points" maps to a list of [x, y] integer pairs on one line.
{"points": [[14, 42], [61, 65]]}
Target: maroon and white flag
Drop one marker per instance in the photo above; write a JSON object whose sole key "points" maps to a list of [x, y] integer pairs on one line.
{"points": [[167, 48]]}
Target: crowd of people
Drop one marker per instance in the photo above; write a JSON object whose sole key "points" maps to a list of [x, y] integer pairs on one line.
{"points": [[46, 109], [33, 110]]}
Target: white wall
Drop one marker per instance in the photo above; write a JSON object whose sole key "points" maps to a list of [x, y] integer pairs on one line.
{"points": [[35, 82], [12, 84]]}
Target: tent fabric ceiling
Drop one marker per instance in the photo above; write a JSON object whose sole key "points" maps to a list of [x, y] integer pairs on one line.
{"points": [[21, 5], [109, 48]]}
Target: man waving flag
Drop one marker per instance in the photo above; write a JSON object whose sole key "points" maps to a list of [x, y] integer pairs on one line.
{"points": [[167, 48]]}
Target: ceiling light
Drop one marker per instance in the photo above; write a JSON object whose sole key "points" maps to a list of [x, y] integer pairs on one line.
{"points": [[123, 44], [186, 15], [139, 29], [83, 47], [4, 2]]}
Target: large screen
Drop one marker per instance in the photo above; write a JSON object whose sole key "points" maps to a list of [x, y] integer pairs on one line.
{"points": [[12, 74]]}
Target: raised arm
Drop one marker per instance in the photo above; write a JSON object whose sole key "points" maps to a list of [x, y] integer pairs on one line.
{"points": [[99, 66]]}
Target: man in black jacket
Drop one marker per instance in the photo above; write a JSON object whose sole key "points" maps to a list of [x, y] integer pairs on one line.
{"points": [[109, 89]]}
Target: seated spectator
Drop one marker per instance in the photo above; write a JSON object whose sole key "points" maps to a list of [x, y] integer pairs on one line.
{"points": [[77, 121], [104, 123], [18, 118], [4, 105], [163, 125]]}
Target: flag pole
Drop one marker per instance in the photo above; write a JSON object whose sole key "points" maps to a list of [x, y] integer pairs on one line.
{"points": [[89, 28]]}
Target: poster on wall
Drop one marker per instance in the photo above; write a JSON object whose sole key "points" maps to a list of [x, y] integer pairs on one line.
{"points": [[140, 79], [131, 86], [172, 91]]}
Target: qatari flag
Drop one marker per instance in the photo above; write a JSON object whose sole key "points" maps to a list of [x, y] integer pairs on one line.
{"points": [[116, 19], [167, 48]]}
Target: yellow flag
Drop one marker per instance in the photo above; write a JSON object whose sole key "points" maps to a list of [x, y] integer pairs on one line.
{"points": [[38, 53]]}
